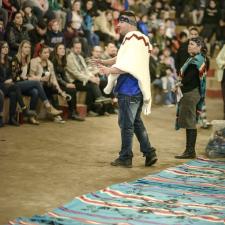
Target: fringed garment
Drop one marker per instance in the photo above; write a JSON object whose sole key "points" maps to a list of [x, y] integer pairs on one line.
{"points": [[200, 61]]}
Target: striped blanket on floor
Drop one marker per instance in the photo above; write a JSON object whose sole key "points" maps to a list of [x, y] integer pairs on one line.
{"points": [[192, 193]]}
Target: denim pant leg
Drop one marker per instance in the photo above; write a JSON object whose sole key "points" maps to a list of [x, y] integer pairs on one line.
{"points": [[28, 88], [12, 103], [168, 98], [128, 107], [141, 133], [34, 97], [95, 90], [32, 88]]}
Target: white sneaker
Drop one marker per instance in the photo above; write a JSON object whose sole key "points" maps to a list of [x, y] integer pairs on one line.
{"points": [[58, 119]]}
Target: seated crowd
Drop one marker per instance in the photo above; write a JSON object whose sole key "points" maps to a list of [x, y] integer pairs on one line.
{"points": [[47, 48]]}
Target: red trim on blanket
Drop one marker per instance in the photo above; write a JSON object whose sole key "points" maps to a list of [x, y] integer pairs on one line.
{"points": [[139, 38]]}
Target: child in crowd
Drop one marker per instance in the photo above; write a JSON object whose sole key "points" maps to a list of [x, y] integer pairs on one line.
{"points": [[30, 20], [168, 85], [54, 35]]}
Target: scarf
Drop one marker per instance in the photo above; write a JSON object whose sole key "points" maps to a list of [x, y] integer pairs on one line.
{"points": [[200, 61]]}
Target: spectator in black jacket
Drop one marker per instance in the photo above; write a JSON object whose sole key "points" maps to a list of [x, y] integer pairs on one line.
{"points": [[16, 33], [3, 14], [30, 20], [38, 34], [59, 62], [9, 88], [54, 35], [182, 53], [153, 62], [210, 21]]}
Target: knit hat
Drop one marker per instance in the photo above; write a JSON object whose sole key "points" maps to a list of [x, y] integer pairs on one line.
{"points": [[26, 4]]}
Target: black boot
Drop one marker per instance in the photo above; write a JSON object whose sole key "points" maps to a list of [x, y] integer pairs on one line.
{"points": [[189, 153], [28, 113], [123, 163], [151, 159]]}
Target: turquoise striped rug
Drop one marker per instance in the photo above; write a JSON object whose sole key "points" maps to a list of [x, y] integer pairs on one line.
{"points": [[192, 193]]}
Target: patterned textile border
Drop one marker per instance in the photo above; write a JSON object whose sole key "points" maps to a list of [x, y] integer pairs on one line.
{"points": [[192, 193]]}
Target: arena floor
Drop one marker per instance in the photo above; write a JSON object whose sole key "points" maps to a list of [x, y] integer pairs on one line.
{"points": [[43, 167]]}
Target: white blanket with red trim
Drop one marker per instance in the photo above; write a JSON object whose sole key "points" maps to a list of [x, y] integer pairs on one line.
{"points": [[133, 57]]}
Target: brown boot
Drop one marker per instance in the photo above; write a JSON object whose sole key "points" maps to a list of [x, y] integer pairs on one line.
{"points": [[52, 111], [187, 154]]}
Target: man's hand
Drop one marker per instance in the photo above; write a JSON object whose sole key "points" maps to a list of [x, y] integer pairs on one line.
{"points": [[105, 62], [104, 69], [146, 108], [96, 61]]}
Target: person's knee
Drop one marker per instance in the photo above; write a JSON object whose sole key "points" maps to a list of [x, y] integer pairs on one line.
{"points": [[34, 93]]}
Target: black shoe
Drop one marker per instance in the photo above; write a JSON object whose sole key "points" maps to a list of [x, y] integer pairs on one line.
{"points": [[12, 121], [29, 113], [151, 159], [75, 116], [124, 163], [186, 155]]}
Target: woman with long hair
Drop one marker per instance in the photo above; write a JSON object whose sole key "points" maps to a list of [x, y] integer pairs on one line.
{"points": [[16, 33], [28, 86], [41, 69], [9, 88], [59, 62], [88, 23]]}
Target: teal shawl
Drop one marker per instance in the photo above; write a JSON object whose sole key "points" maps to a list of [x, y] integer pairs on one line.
{"points": [[200, 61]]}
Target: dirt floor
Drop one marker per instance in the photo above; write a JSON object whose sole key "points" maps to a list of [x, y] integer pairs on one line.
{"points": [[43, 167]]}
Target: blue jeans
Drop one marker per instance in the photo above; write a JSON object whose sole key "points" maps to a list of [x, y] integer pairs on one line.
{"points": [[130, 123], [169, 98], [33, 89]]}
